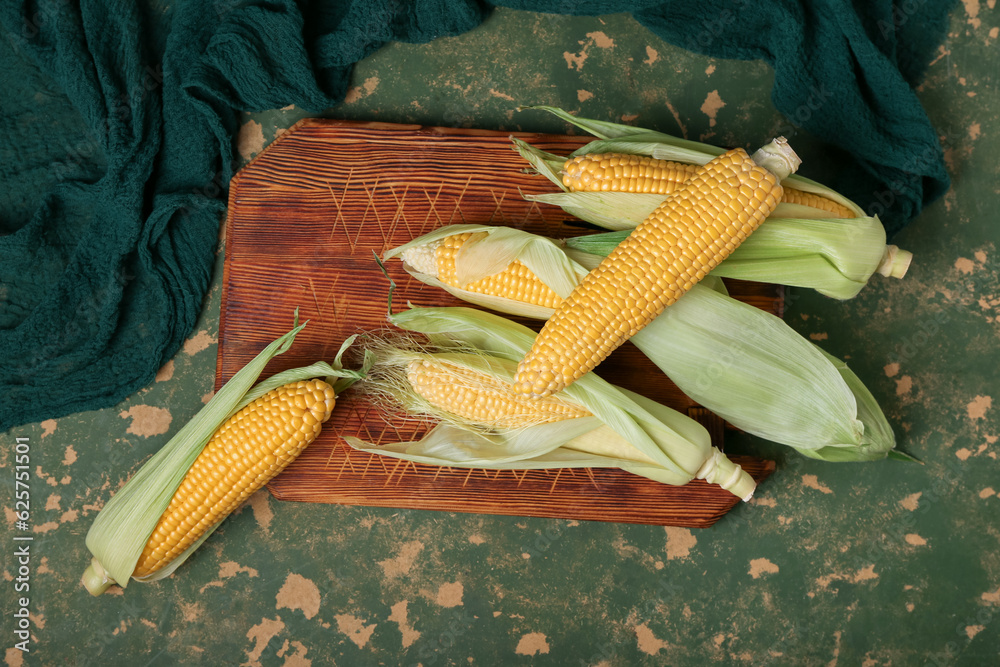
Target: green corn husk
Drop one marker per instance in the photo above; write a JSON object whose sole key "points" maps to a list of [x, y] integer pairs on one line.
{"points": [[798, 245], [627, 431], [122, 528], [742, 363], [834, 257]]}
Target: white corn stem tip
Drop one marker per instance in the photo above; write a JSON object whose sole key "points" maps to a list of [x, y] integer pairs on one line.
{"points": [[96, 579], [778, 158], [738, 483], [895, 262]]}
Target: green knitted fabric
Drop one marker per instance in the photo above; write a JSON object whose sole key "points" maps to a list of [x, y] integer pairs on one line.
{"points": [[119, 116]]}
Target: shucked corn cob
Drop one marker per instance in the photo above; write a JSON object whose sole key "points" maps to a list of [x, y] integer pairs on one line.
{"points": [[686, 237], [248, 450], [241, 439], [625, 172]]}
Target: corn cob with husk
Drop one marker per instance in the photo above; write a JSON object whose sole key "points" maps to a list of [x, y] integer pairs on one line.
{"points": [[837, 258], [817, 226], [240, 440], [627, 172], [680, 242], [461, 376], [681, 154], [744, 364]]}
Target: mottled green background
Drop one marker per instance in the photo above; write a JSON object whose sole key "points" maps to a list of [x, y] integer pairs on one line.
{"points": [[877, 564]]}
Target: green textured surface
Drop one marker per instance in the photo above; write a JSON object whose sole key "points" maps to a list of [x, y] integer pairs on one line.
{"points": [[871, 564]]}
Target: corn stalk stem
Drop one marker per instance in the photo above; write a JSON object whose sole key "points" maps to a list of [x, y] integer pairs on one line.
{"points": [[718, 469], [895, 262], [96, 579], [778, 158]]}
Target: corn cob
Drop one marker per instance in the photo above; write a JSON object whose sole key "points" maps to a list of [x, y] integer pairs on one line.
{"points": [[626, 210], [246, 433], [438, 259], [463, 379], [625, 172], [248, 450], [482, 398], [678, 245], [836, 257]]}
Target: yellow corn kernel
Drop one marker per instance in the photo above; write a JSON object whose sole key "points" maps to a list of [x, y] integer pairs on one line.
{"points": [[680, 242], [484, 399], [624, 172], [516, 281], [793, 196], [248, 450]]}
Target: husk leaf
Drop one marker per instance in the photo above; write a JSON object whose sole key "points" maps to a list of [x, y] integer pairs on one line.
{"points": [[608, 130], [878, 435], [836, 257], [608, 210], [754, 371], [547, 164]]}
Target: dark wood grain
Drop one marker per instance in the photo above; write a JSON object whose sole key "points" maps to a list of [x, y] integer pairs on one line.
{"points": [[304, 219]]}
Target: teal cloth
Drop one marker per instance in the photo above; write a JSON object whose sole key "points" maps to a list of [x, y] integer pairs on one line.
{"points": [[119, 117]]}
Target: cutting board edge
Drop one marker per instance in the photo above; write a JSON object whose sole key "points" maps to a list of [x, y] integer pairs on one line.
{"points": [[763, 469]]}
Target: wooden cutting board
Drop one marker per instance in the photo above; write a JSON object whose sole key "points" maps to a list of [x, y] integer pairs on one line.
{"points": [[305, 217]]}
